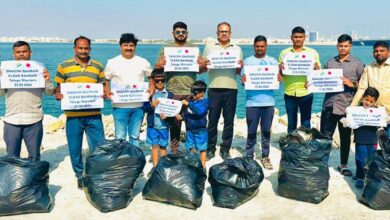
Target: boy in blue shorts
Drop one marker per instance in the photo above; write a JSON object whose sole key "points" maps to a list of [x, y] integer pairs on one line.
{"points": [[196, 122], [157, 131]]}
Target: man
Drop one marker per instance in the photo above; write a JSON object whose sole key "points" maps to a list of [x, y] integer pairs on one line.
{"points": [[260, 104], [222, 94], [81, 69], [335, 103], [377, 75], [125, 69], [23, 115], [179, 83], [296, 95]]}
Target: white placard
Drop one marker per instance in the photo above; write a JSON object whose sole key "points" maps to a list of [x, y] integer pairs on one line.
{"points": [[169, 107], [224, 59], [326, 80], [22, 74], [181, 59], [129, 93], [297, 64], [81, 96], [360, 116], [261, 77]]}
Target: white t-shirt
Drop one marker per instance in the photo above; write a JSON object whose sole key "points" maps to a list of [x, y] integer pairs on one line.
{"points": [[127, 71]]}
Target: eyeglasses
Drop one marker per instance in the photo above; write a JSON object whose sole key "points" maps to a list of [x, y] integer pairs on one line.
{"points": [[159, 80], [183, 32], [224, 32]]}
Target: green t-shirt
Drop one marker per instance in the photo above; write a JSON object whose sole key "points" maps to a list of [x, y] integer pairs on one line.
{"points": [[179, 83]]}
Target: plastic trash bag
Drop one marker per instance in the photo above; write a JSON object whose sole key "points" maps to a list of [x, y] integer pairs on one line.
{"points": [[24, 186], [178, 179], [235, 181], [376, 191], [303, 170], [110, 173]]}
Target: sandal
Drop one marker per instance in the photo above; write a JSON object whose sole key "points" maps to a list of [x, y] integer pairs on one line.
{"points": [[345, 171], [266, 162]]}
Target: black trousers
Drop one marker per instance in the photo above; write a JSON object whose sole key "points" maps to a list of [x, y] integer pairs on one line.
{"points": [[221, 101], [329, 121]]}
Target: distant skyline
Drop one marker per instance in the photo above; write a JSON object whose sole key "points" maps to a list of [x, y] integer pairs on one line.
{"points": [[153, 19]]}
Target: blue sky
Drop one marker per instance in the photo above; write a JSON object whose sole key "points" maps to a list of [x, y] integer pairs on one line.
{"points": [[154, 19]]}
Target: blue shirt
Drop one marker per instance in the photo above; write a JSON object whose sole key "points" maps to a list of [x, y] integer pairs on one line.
{"points": [[158, 122], [259, 98], [195, 116]]}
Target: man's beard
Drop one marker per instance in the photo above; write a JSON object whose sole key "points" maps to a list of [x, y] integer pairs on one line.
{"points": [[181, 41]]}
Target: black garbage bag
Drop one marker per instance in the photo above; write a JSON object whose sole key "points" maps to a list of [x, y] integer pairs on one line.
{"points": [[235, 181], [303, 170], [24, 186], [178, 179], [376, 191], [110, 173]]}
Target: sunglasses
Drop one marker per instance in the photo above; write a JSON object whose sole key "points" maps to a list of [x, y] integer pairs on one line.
{"points": [[159, 80], [180, 32]]}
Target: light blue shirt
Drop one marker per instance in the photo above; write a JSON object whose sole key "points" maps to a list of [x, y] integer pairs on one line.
{"points": [[158, 122], [259, 98]]}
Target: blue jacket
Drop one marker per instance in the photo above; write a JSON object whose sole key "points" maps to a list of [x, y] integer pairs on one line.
{"points": [[195, 115], [150, 118]]}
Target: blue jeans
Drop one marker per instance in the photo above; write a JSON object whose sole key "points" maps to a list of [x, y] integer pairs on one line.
{"points": [[128, 121], [254, 117], [362, 152], [75, 127], [292, 104]]}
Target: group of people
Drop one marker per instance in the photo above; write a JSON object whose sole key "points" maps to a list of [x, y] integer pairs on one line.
{"points": [[369, 85]]}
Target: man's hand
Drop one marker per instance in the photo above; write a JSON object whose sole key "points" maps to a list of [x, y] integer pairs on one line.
{"points": [[241, 65], [306, 84], [347, 82], [161, 63], [59, 96], [178, 117], [202, 64], [46, 75], [184, 102], [280, 77], [316, 66], [155, 103], [243, 78]]}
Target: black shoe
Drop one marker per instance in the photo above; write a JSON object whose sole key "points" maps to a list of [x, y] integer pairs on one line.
{"points": [[225, 155], [210, 155], [80, 183]]}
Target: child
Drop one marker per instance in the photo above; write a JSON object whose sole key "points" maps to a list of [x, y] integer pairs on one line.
{"points": [[365, 137], [157, 130], [196, 122]]}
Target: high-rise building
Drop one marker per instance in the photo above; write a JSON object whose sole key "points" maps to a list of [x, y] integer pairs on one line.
{"points": [[313, 36], [354, 34]]}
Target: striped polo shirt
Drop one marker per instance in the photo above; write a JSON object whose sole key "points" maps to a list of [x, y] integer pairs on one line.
{"points": [[70, 71]]}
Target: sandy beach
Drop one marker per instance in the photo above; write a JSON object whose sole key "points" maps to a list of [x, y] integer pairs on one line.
{"points": [[71, 203]]}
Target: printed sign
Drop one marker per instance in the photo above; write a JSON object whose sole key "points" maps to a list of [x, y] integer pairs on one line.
{"points": [[129, 93], [81, 96], [169, 107], [298, 63], [179, 59], [326, 80], [261, 77], [22, 74], [360, 116], [224, 59]]}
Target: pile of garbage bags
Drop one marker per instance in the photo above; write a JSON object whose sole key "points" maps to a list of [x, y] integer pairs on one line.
{"points": [[303, 171], [178, 179], [376, 191], [110, 173], [24, 186], [235, 181]]}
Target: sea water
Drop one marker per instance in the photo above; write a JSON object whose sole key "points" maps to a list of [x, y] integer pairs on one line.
{"points": [[52, 54]]}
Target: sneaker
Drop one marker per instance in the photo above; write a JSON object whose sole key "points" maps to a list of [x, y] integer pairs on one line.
{"points": [[210, 155], [359, 183], [224, 155], [80, 184], [151, 172], [266, 162]]}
